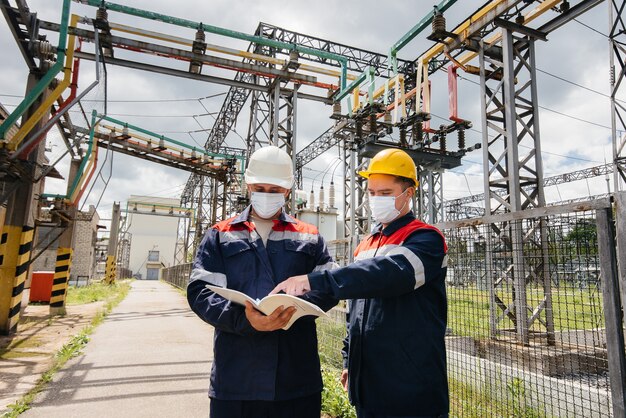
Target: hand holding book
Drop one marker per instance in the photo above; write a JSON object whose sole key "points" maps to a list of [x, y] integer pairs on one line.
{"points": [[269, 303]]}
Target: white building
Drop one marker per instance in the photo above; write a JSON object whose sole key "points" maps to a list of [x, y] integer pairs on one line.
{"points": [[153, 234]]}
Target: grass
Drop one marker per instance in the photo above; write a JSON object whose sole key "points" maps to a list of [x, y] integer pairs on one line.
{"points": [[95, 292], [573, 308], [73, 347], [467, 401]]}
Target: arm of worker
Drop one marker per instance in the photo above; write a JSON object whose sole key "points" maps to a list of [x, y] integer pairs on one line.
{"points": [[323, 262], [402, 270], [208, 268]]}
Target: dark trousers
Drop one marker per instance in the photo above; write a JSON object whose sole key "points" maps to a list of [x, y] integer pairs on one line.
{"points": [[364, 413], [306, 407]]}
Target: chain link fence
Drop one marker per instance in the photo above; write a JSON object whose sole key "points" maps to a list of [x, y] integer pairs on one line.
{"points": [[527, 313], [526, 318]]}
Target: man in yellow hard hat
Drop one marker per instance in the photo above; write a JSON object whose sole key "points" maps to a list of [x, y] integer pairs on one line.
{"points": [[259, 369], [394, 354]]}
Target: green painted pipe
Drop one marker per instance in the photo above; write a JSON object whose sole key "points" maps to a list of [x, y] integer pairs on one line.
{"points": [[368, 73], [219, 31], [36, 91], [81, 169], [421, 25]]}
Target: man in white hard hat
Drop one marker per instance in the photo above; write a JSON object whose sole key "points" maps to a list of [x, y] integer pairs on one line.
{"points": [[260, 370]]}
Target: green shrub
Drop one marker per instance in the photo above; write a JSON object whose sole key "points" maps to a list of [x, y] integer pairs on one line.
{"points": [[335, 403]]}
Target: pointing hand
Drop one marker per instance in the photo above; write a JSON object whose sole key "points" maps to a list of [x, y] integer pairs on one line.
{"points": [[295, 286]]}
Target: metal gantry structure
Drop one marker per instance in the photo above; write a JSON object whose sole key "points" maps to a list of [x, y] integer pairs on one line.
{"points": [[496, 43]]}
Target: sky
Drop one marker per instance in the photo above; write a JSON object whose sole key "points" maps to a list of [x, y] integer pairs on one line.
{"points": [[572, 79]]}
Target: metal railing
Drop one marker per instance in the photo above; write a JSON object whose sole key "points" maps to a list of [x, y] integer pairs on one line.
{"points": [[177, 275]]}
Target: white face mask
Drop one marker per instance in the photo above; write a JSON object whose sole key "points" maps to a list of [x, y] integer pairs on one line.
{"points": [[267, 204], [384, 208]]}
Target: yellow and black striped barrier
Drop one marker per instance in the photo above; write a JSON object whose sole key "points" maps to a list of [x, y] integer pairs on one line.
{"points": [[61, 278], [15, 246], [111, 270]]}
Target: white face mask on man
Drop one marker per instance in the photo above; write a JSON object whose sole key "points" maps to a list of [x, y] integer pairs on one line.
{"points": [[267, 204], [384, 208]]}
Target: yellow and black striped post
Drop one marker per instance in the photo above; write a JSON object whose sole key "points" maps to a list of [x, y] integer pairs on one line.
{"points": [[61, 280], [15, 246], [111, 270]]}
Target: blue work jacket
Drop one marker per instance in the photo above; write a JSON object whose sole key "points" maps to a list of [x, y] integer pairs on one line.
{"points": [[250, 364], [395, 350]]}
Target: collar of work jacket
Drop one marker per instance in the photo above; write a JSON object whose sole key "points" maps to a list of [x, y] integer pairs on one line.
{"points": [[244, 218], [394, 225]]}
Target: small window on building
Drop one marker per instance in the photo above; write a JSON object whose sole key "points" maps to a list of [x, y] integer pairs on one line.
{"points": [[153, 255]]}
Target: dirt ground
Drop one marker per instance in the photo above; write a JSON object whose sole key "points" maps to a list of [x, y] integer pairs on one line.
{"points": [[25, 356]]}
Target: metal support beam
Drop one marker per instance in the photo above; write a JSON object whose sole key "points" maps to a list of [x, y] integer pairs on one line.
{"points": [[612, 310], [617, 37], [510, 127], [430, 201]]}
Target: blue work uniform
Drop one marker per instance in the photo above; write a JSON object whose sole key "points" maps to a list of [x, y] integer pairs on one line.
{"points": [[395, 350], [251, 365]]}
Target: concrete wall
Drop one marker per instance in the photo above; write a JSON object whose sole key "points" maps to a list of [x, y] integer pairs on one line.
{"points": [[83, 245]]}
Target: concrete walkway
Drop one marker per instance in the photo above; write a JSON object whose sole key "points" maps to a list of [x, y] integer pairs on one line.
{"points": [[151, 357]]}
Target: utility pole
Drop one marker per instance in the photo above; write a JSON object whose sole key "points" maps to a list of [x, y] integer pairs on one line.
{"points": [[18, 230]]}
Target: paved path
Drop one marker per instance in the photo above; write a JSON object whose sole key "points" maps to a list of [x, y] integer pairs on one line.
{"points": [[149, 358]]}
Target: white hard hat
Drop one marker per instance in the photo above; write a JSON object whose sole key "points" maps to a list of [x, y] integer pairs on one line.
{"points": [[270, 165]]}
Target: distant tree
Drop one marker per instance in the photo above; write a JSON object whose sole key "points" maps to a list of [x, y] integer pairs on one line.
{"points": [[583, 237]]}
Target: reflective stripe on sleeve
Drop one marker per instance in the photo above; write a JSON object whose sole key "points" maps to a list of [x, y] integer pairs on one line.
{"points": [[328, 266], [217, 279], [414, 260]]}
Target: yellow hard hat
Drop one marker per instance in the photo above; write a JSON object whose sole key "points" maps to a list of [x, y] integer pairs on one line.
{"points": [[394, 162]]}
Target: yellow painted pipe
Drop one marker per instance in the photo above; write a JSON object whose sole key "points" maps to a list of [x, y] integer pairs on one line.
{"points": [[460, 30], [389, 84], [56, 93], [91, 166], [223, 50], [529, 17]]}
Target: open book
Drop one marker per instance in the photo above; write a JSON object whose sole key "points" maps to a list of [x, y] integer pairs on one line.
{"points": [[268, 304]]}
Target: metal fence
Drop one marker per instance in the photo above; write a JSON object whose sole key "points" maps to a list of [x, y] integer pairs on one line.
{"points": [[534, 314], [177, 275], [535, 324]]}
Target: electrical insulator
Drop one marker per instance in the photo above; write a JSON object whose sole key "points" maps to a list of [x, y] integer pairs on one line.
{"points": [[102, 15], [162, 144], [312, 200], [461, 139], [331, 195], [125, 131], [564, 6], [387, 117], [337, 109], [442, 141], [439, 22], [322, 197], [418, 132], [403, 137], [200, 36], [44, 50]]}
